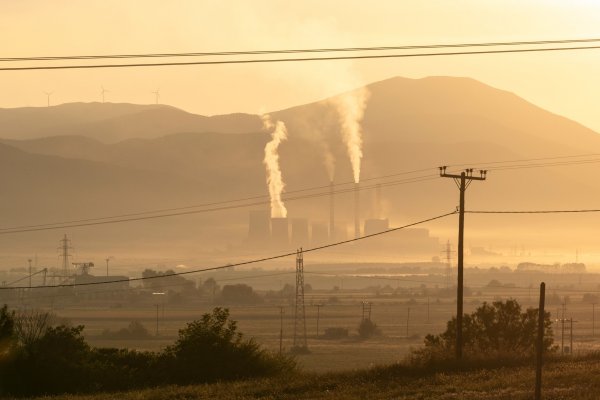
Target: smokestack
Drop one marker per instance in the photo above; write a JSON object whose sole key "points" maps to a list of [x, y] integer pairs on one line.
{"points": [[279, 232], [356, 211], [378, 201], [331, 213]]}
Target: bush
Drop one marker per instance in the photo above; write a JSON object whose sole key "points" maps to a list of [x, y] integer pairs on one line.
{"points": [[239, 294], [368, 329], [212, 349], [134, 331], [60, 361], [496, 330], [57, 362], [335, 333]]}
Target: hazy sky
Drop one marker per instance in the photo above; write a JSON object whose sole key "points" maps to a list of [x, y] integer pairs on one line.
{"points": [[567, 83]]}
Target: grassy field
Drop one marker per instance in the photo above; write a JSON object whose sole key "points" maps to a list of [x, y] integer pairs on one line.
{"points": [[566, 379], [262, 322]]}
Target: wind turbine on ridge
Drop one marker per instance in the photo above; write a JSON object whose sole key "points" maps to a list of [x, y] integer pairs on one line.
{"points": [[103, 91], [157, 95], [48, 97]]}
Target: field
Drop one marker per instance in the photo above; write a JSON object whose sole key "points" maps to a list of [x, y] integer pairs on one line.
{"points": [[403, 324]]}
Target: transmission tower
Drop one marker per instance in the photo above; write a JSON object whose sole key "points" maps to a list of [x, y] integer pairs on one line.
{"points": [[299, 311], [65, 246], [448, 257]]}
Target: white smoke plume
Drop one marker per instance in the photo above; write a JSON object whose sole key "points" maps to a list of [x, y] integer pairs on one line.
{"points": [[351, 107], [271, 161], [328, 161]]}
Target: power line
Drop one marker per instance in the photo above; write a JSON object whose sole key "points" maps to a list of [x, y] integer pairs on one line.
{"points": [[295, 51], [7, 231], [119, 218], [534, 211], [285, 198], [277, 60], [254, 261]]}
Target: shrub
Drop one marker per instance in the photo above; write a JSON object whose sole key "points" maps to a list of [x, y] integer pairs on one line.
{"points": [[335, 333], [368, 329], [211, 349], [499, 329], [239, 294], [54, 363], [134, 331]]}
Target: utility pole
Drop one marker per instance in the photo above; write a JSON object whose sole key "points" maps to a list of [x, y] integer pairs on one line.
{"points": [[280, 330], [593, 318], [157, 320], [318, 315], [407, 320], [427, 309], [540, 344], [462, 181], [571, 336], [107, 260], [30, 272], [562, 329]]}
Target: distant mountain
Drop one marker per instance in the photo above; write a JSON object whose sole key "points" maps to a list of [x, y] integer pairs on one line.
{"points": [[112, 122], [88, 160]]}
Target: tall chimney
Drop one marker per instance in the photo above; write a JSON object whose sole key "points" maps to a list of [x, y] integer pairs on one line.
{"points": [[378, 201], [356, 211], [331, 213]]}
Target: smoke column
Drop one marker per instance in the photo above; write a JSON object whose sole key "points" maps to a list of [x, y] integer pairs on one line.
{"points": [[271, 161], [351, 107]]}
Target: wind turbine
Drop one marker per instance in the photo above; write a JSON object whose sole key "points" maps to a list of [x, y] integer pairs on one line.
{"points": [[48, 96], [157, 94], [103, 91]]}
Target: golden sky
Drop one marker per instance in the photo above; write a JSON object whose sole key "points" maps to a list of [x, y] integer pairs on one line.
{"points": [[567, 83]]}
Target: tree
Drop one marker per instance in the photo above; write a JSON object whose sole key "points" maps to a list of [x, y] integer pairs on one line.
{"points": [[56, 362], [7, 324], [211, 349], [31, 325], [239, 293], [367, 329], [500, 328]]}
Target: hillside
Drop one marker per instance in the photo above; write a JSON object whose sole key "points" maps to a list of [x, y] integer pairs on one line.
{"points": [[112, 122], [171, 158]]}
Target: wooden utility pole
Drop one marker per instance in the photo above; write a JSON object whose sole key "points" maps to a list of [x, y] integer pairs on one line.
{"points": [[407, 320], [593, 318], [280, 329], [462, 181], [318, 315], [540, 344], [562, 329]]}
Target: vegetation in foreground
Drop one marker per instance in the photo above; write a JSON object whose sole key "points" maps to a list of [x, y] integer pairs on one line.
{"points": [[38, 358], [566, 379], [499, 349]]}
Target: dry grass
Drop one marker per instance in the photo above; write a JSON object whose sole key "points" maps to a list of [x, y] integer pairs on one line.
{"points": [[567, 379]]}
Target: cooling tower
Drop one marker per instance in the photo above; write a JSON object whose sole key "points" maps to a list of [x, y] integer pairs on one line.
{"points": [[300, 232], [320, 233], [373, 226], [259, 230], [279, 232]]}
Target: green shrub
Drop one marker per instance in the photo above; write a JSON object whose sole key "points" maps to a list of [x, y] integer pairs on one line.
{"points": [[212, 349], [368, 329], [497, 330]]}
